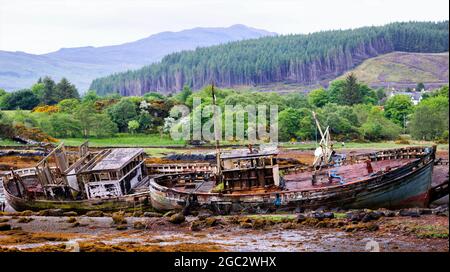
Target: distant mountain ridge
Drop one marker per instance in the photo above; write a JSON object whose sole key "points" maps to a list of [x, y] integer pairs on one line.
{"points": [[309, 59], [83, 64]]}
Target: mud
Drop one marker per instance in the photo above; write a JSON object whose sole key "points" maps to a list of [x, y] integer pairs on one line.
{"points": [[276, 233]]}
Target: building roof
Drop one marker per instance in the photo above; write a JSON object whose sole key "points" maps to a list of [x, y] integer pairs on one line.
{"points": [[117, 158]]}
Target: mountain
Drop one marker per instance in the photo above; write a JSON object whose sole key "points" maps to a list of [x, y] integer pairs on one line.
{"points": [[402, 69], [83, 64], [302, 59]]}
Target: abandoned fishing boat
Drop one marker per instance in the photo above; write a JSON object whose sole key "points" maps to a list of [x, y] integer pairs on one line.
{"points": [[252, 180], [107, 180]]}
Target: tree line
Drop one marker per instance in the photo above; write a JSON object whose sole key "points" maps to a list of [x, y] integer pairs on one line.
{"points": [[351, 109]]}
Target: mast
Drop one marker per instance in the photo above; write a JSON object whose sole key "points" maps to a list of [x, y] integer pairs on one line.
{"points": [[216, 131]]}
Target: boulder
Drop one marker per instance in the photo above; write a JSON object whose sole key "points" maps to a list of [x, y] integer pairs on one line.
{"points": [[425, 211], [328, 215], [300, 218], [177, 218], [410, 212], [211, 221], [388, 213], [94, 214], [121, 227], [5, 227], [138, 214], [370, 217], [152, 214], [258, 223], [51, 212], [71, 213], [139, 225], [196, 225], [355, 216], [169, 213]]}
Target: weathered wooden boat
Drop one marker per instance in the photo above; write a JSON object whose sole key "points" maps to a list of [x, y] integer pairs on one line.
{"points": [[108, 180], [250, 181]]}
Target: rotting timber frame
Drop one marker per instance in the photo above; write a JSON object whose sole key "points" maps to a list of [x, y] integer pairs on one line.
{"points": [[248, 171]]}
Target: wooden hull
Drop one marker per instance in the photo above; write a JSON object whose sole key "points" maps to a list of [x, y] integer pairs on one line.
{"points": [[407, 186], [128, 202]]}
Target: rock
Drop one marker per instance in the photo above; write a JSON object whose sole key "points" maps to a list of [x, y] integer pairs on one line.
{"points": [[370, 217], [5, 227], [441, 211], [71, 213], [355, 216], [317, 215], [169, 213], [25, 220], [152, 214], [246, 225], [288, 225], [299, 210], [139, 225], [321, 209], [258, 223], [410, 212], [211, 221], [425, 211], [118, 218], [121, 227], [94, 214], [322, 224], [27, 213], [195, 225], [328, 215], [194, 213], [202, 217], [246, 220], [300, 218], [373, 227], [177, 218], [389, 213], [138, 214], [71, 220], [51, 212]]}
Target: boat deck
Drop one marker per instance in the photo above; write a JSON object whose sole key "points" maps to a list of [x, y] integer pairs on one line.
{"points": [[349, 173], [303, 180]]}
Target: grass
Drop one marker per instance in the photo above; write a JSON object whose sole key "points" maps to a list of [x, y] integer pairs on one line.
{"points": [[431, 231], [127, 140], [403, 67], [7, 142]]}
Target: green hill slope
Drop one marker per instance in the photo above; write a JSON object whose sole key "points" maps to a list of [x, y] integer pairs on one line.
{"points": [[400, 69]]}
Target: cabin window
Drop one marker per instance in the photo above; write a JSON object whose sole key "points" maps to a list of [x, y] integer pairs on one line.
{"points": [[104, 176]]}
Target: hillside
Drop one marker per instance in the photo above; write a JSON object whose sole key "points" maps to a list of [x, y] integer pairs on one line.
{"points": [[401, 69], [302, 59], [82, 65]]}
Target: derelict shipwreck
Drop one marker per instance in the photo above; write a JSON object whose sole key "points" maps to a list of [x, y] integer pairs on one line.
{"points": [[111, 179]]}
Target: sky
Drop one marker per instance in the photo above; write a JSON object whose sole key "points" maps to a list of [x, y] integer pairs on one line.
{"points": [[42, 26]]}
